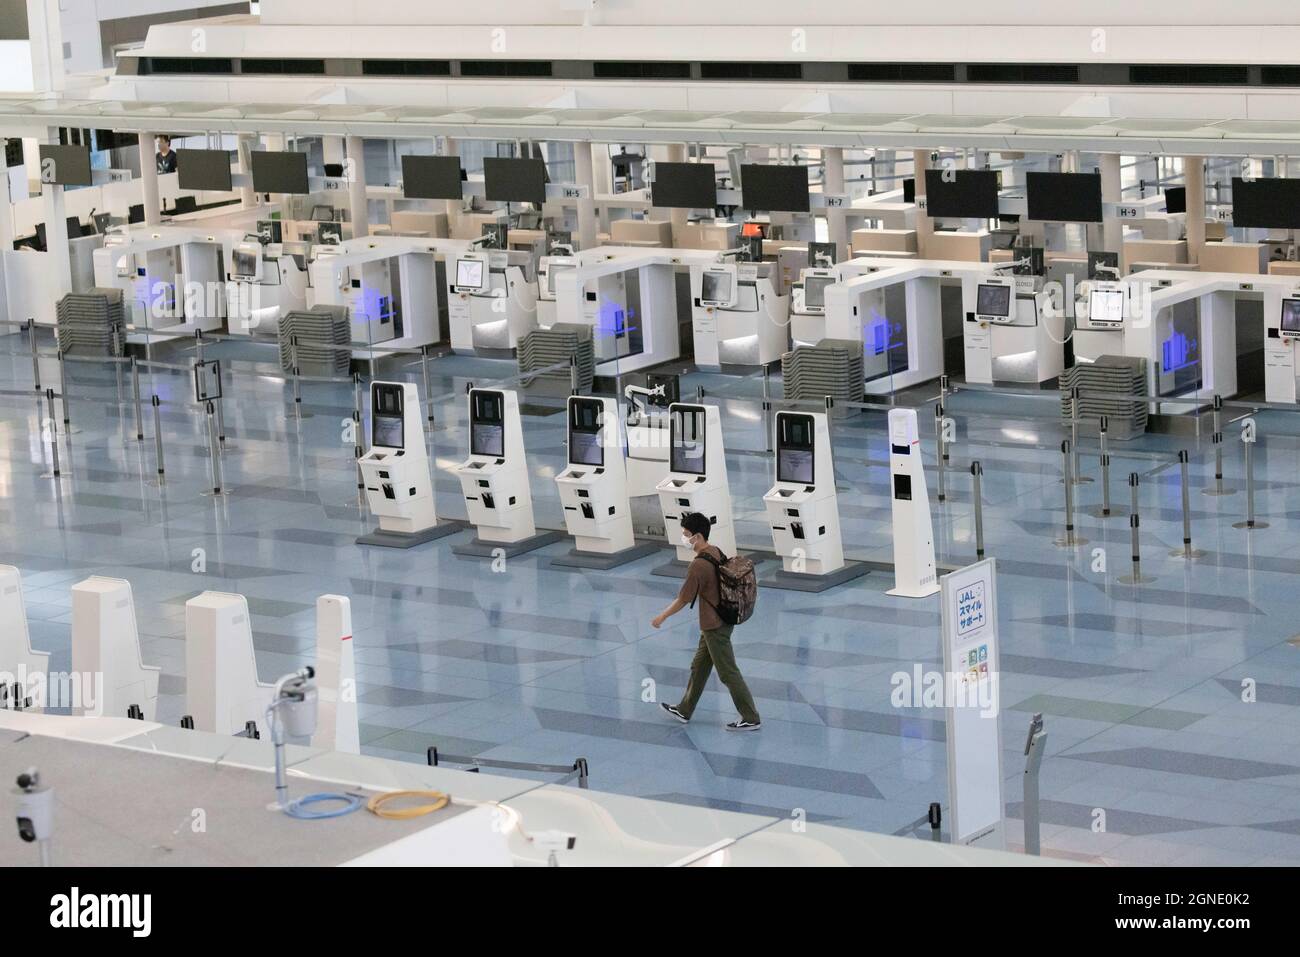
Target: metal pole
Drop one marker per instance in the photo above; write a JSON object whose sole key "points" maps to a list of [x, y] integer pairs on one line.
{"points": [[1105, 466], [63, 389], [1079, 477], [767, 408], [293, 362], [573, 375], [1186, 551], [135, 391], [213, 453], [358, 432], [54, 431], [157, 436], [1135, 525], [1250, 524], [36, 361], [1070, 540], [1035, 745], [198, 343], [428, 396], [939, 455], [943, 401], [977, 471], [935, 817], [1217, 440], [221, 422]]}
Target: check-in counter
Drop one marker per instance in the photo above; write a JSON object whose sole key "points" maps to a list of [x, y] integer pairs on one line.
{"points": [[960, 246], [1165, 251], [717, 236], [871, 241], [641, 232], [1283, 268], [420, 223], [1249, 258]]}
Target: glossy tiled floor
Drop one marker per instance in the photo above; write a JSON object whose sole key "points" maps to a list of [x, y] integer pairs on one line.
{"points": [[1153, 755]]}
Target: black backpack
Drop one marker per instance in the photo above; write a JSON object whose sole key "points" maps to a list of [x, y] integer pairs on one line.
{"points": [[737, 588]]}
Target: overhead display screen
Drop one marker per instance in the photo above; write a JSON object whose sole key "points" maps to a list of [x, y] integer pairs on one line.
{"points": [[203, 170], [279, 172], [961, 194], [65, 165], [1266, 203], [431, 177], [1064, 197], [684, 186], [774, 189], [514, 180]]}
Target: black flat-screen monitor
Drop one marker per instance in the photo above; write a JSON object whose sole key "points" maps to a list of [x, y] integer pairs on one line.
{"points": [[1064, 197], [203, 169], [964, 194], [993, 299], [586, 438], [279, 172], [65, 165], [1266, 203], [909, 190], [794, 449], [135, 214], [487, 424], [514, 180], [686, 453], [774, 189], [1176, 199], [431, 177], [684, 186]]}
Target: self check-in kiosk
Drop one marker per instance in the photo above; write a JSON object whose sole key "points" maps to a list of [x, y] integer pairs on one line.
{"points": [[913, 530], [399, 489], [593, 488], [1099, 316], [263, 283], [1010, 336], [808, 306], [802, 507], [738, 317], [494, 479], [697, 477], [549, 269], [492, 302]]}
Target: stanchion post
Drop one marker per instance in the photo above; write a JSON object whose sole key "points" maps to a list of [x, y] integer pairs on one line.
{"points": [[943, 401], [1135, 526], [54, 432], [1217, 440], [935, 816], [157, 435], [1067, 458], [358, 432], [767, 409], [977, 473], [939, 455], [1251, 523], [36, 359], [1186, 552], [293, 363], [135, 393], [1102, 425], [63, 389], [428, 395], [214, 454]]}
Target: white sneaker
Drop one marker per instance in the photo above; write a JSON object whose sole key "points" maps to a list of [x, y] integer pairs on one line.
{"points": [[743, 725]]}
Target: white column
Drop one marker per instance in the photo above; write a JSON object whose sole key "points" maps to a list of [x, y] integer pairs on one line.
{"points": [[149, 181], [585, 174], [836, 219], [603, 178], [1194, 175], [924, 224], [333, 149], [1112, 229], [357, 187], [7, 214], [56, 230], [46, 34]]}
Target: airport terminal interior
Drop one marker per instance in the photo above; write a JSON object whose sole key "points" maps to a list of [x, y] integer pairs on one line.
{"points": [[375, 380]]}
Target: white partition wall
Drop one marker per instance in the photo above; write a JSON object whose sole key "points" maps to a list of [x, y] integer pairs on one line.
{"points": [[336, 677], [221, 687], [18, 660], [105, 642]]}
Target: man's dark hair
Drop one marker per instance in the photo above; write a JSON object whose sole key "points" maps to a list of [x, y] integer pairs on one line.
{"points": [[696, 524]]}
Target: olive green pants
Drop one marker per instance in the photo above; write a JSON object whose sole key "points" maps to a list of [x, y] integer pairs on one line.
{"points": [[715, 652]]}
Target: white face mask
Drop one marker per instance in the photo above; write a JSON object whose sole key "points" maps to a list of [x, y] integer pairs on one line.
{"points": [[686, 540]]}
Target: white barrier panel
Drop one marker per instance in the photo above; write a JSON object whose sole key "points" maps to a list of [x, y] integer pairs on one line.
{"points": [[336, 677], [17, 659], [914, 571], [105, 642], [221, 687]]}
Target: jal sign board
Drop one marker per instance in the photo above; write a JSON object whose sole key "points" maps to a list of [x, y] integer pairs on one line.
{"points": [[969, 619]]}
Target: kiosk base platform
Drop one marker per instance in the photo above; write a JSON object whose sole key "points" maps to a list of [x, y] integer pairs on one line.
{"points": [[603, 561], [801, 581], [410, 539], [477, 548]]}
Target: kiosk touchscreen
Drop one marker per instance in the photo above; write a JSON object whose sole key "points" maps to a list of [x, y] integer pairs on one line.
{"points": [[1290, 322], [995, 301], [697, 477], [1106, 305], [471, 274], [246, 262], [802, 507], [395, 471], [593, 485], [718, 286], [494, 479]]}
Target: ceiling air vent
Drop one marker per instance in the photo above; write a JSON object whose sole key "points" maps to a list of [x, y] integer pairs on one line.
{"points": [[640, 70], [406, 68], [505, 67], [901, 73], [286, 67], [1022, 73], [186, 65], [1189, 75], [751, 71]]}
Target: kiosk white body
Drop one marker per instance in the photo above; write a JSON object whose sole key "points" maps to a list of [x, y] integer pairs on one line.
{"points": [[494, 479], [737, 315], [263, 283], [549, 269], [222, 691], [593, 485], [492, 300], [1013, 335], [105, 641], [802, 507], [18, 659], [697, 477], [399, 489], [914, 566], [337, 727]]}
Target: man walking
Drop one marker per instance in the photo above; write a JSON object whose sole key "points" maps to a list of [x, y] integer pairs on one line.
{"points": [[715, 636]]}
